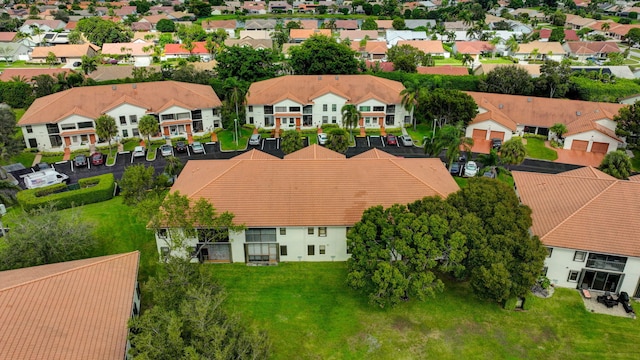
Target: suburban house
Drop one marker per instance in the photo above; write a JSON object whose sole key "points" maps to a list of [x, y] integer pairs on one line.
{"points": [[44, 25], [582, 217], [65, 54], [345, 24], [7, 36], [590, 125], [255, 34], [253, 43], [27, 74], [138, 52], [66, 120], [540, 50], [69, 310], [433, 47], [10, 52], [532, 69], [372, 50], [393, 36], [309, 101], [443, 70], [229, 26], [259, 24], [473, 48], [173, 51], [577, 22], [357, 35], [297, 36], [581, 50], [569, 35], [287, 229]]}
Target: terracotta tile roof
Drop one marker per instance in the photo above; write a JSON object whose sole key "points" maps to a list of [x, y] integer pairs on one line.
{"points": [[635, 178], [153, 19], [349, 186], [443, 70], [307, 33], [29, 73], [359, 34], [6, 36], [569, 35], [178, 49], [116, 72], [134, 49], [588, 172], [304, 88], [385, 24], [314, 151], [426, 46], [544, 47], [218, 24], [374, 154], [473, 47], [371, 47], [584, 213], [347, 24], [383, 65], [532, 69], [579, 20], [95, 100], [592, 47], [67, 50], [538, 111], [71, 310], [255, 154]]}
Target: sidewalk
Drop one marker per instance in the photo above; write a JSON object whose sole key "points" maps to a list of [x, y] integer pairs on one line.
{"points": [[37, 159]]}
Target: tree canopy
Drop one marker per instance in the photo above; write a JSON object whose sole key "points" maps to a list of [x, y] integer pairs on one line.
{"points": [[291, 141], [447, 106], [510, 79], [322, 55], [513, 152], [617, 164], [10, 145], [99, 31], [247, 64], [628, 122], [405, 57], [554, 78]]}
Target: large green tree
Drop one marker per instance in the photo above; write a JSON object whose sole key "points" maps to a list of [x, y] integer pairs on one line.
{"points": [[45, 236], [136, 181], [633, 36], [513, 152], [453, 139], [320, 55], [447, 106], [617, 164], [350, 117], [106, 128], [554, 78], [405, 58], [291, 141], [510, 79], [628, 123], [99, 31], [338, 140], [10, 145], [247, 64], [148, 125]]}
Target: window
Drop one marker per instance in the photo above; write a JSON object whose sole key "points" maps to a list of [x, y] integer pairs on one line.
{"points": [[52, 129], [125, 134], [333, 120], [334, 107], [268, 109], [133, 119], [364, 108], [310, 231], [307, 109], [322, 249], [260, 235], [322, 231], [283, 231], [407, 119], [162, 233], [68, 126], [367, 120], [549, 252], [391, 109], [164, 251], [135, 132], [378, 108], [307, 120], [389, 120], [29, 129], [85, 124], [250, 119], [325, 107], [250, 108], [281, 109], [283, 250], [184, 116], [325, 119], [198, 126], [311, 250], [294, 108], [573, 276], [268, 120], [579, 256], [123, 120], [196, 114], [606, 262], [168, 117]]}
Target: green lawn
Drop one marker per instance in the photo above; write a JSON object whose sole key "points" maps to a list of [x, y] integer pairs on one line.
{"points": [[421, 131], [497, 60], [25, 158], [227, 138], [537, 150], [449, 61], [310, 313], [635, 161]]}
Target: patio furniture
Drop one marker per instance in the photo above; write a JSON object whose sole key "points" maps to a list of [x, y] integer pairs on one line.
{"points": [[585, 291]]}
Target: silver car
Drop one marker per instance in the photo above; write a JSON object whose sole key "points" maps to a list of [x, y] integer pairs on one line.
{"points": [[255, 139], [406, 140], [166, 150], [197, 147], [322, 138], [138, 151]]}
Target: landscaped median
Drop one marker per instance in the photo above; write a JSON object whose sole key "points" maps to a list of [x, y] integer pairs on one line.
{"points": [[91, 190]]}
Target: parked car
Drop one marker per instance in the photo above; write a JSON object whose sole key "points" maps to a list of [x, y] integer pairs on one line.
{"points": [[97, 159], [42, 166], [406, 140], [470, 169], [138, 151], [322, 138], [489, 174], [77, 64], [197, 147], [255, 139], [181, 146], [80, 160], [166, 150], [392, 140], [496, 143], [455, 169]]}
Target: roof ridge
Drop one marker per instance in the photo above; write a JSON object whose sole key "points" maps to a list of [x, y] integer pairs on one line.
{"points": [[237, 162], [107, 258], [414, 176], [613, 182]]}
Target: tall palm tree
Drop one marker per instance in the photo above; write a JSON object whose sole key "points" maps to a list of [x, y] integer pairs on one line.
{"points": [[410, 95], [452, 138], [495, 41], [350, 117], [89, 64], [605, 27], [512, 45], [236, 93]]}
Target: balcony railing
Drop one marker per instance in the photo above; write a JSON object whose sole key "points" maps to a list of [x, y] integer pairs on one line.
{"points": [[605, 265]]}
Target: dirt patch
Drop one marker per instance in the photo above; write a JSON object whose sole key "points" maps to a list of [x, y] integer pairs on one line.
{"points": [[401, 323]]}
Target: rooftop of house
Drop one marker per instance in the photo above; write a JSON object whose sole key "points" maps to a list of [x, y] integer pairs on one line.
{"points": [[343, 187], [426, 46], [93, 101], [304, 89], [473, 47], [443, 70], [66, 50], [592, 47], [28, 73], [307, 33], [543, 47], [71, 310], [583, 209]]}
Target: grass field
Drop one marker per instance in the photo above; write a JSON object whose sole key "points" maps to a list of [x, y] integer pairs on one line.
{"points": [[310, 313], [537, 150], [227, 138]]}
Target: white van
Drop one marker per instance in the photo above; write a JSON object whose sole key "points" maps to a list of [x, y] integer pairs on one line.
{"points": [[44, 178]]}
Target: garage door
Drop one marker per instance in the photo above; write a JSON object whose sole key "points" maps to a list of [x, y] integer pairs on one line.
{"points": [[579, 145], [497, 135], [479, 134], [599, 147]]}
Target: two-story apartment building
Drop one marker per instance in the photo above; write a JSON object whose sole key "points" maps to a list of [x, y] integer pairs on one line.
{"points": [[66, 120], [309, 101], [263, 192]]}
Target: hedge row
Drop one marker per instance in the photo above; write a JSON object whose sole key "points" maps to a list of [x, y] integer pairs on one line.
{"points": [[465, 83], [92, 190], [594, 90]]}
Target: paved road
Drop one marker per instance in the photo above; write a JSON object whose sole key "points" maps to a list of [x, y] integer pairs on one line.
{"points": [[270, 146]]}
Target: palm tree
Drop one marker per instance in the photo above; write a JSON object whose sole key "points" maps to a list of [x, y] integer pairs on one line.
{"points": [[559, 129], [89, 64], [350, 117], [106, 128], [148, 126], [513, 152], [605, 27], [236, 93], [410, 95], [451, 137], [494, 42], [467, 60], [512, 45]]}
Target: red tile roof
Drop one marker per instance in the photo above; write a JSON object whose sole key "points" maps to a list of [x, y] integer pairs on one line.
{"points": [[9, 73], [346, 186], [473, 47], [592, 47], [444, 70], [70, 310], [582, 212], [178, 49], [7, 36]]}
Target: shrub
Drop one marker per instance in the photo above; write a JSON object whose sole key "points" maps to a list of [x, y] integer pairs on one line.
{"points": [[510, 304], [92, 190], [464, 83], [535, 136], [529, 300]]}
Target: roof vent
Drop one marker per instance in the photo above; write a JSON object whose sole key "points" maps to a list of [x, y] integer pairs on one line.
{"points": [[500, 106], [114, 87], [529, 99], [578, 113], [337, 77], [134, 85], [319, 77]]}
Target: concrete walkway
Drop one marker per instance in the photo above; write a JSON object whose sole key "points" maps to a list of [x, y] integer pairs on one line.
{"points": [[37, 159]]}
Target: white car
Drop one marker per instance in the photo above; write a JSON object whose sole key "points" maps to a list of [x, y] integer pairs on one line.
{"points": [[470, 169], [255, 139], [322, 138], [138, 151], [197, 147], [406, 140], [166, 150]]}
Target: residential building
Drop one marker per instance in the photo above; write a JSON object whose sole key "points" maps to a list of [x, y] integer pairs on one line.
{"points": [[297, 36], [532, 69], [173, 51], [473, 48], [569, 35], [229, 26], [372, 50], [255, 34], [541, 50], [581, 50], [44, 25], [66, 120], [433, 47], [577, 22], [393, 36], [254, 43], [139, 53], [590, 125], [357, 35], [346, 24], [309, 101], [10, 52], [281, 227], [582, 217], [65, 54], [69, 310], [259, 24], [443, 70], [27, 74]]}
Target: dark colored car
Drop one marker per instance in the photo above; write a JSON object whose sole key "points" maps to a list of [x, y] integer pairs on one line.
{"points": [[455, 169], [80, 160], [97, 159], [181, 146], [43, 166], [496, 143], [392, 140], [77, 64]]}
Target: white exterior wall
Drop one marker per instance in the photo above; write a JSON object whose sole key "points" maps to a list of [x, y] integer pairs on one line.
{"points": [[591, 136], [609, 124], [561, 263], [38, 132], [489, 126], [126, 110], [328, 99]]}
